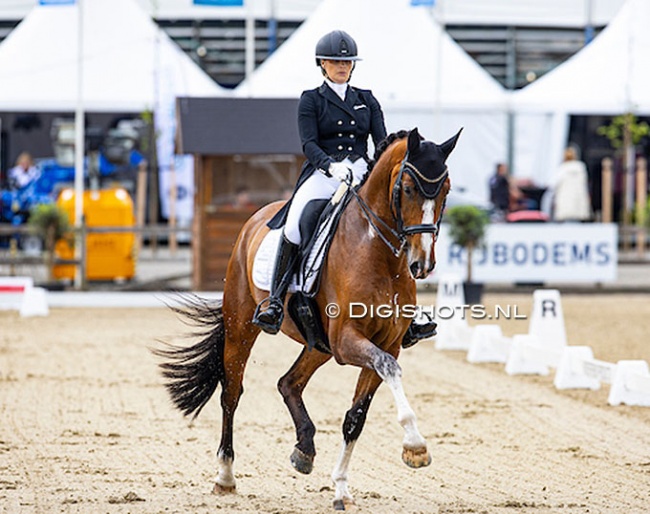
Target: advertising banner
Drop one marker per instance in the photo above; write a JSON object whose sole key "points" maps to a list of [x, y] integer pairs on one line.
{"points": [[535, 252]]}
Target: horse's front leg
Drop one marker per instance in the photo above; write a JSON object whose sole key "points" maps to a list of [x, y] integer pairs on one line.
{"points": [[355, 419], [355, 349], [414, 447], [291, 386]]}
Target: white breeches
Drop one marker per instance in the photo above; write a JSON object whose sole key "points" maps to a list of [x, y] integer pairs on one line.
{"points": [[317, 187]]}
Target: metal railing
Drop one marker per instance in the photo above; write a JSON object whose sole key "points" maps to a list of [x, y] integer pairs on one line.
{"points": [[14, 257]]}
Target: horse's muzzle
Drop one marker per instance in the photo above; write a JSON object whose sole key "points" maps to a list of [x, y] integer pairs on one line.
{"points": [[419, 270]]}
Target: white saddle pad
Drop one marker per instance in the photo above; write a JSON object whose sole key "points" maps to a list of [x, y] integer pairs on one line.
{"points": [[305, 280], [265, 262]]}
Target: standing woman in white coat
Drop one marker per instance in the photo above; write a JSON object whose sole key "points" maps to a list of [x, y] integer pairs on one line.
{"points": [[572, 201]]}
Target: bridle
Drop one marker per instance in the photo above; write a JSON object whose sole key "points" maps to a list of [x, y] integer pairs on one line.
{"points": [[401, 232]]}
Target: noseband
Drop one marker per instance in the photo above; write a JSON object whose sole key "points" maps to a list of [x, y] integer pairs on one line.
{"points": [[402, 232]]}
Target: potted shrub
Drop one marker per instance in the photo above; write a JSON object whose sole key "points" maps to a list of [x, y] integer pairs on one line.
{"points": [[50, 222], [467, 227]]}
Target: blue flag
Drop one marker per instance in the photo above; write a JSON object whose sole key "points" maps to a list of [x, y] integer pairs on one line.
{"points": [[57, 2], [220, 3], [428, 3]]}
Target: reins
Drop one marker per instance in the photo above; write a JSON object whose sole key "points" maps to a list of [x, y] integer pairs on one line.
{"points": [[370, 215]]}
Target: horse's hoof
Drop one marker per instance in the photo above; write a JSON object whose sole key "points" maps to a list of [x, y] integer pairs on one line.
{"points": [[344, 504], [223, 489], [416, 457], [302, 462]]}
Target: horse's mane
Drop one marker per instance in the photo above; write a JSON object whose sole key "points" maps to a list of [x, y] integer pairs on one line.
{"points": [[384, 144]]}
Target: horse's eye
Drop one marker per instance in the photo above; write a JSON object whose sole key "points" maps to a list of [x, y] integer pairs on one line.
{"points": [[408, 191]]}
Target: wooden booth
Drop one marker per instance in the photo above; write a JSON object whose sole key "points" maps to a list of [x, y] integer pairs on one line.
{"points": [[247, 153]]}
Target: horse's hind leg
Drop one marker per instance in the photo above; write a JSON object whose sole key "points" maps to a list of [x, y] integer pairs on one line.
{"points": [[291, 386], [239, 339]]}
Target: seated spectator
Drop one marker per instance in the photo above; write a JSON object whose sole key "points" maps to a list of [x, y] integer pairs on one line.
{"points": [[23, 173], [500, 191]]}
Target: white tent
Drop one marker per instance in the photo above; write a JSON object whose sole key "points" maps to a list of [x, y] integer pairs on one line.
{"points": [[418, 73], [123, 55], [609, 76], [552, 13]]}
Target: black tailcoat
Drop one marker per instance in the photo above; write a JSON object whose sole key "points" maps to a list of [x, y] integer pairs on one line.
{"points": [[332, 129]]}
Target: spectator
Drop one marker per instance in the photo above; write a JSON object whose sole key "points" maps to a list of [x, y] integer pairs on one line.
{"points": [[500, 191], [571, 190], [23, 173]]}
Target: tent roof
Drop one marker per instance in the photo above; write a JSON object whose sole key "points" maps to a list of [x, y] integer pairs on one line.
{"points": [[407, 58], [531, 13], [552, 13], [609, 76], [124, 51]]}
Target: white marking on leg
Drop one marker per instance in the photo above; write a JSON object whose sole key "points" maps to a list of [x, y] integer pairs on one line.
{"points": [[405, 415], [340, 474], [225, 475], [428, 212]]}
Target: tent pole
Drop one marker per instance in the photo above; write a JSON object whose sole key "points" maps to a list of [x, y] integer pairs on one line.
{"points": [[80, 278], [511, 84], [250, 39]]}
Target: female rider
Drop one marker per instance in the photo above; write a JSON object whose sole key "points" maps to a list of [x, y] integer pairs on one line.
{"points": [[334, 122]]}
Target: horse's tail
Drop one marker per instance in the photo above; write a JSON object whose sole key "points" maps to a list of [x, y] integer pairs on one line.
{"points": [[193, 373]]}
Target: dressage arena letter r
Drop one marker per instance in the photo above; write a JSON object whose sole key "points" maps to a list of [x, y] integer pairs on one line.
{"points": [[548, 305]]}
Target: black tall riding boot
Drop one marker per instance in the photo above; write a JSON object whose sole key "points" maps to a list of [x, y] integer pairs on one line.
{"points": [[270, 311], [418, 331]]}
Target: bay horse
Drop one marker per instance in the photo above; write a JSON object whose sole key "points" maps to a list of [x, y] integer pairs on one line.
{"points": [[385, 240]]}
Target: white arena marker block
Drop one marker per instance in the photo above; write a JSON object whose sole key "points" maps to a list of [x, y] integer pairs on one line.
{"points": [[454, 334], [453, 331], [601, 370], [547, 320], [34, 302], [631, 384], [450, 291], [570, 373], [12, 290], [526, 357], [488, 345]]}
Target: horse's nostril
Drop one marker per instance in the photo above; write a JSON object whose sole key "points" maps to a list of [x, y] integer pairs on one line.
{"points": [[416, 268]]}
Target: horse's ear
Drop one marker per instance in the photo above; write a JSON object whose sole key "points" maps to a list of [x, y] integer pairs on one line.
{"points": [[448, 146], [414, 140]]}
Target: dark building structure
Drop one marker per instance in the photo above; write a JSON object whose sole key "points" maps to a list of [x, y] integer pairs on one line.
{"points": [[236, 143]]}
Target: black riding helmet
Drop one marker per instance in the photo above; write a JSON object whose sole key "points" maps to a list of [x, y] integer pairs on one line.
{"points": [[336, 46]]}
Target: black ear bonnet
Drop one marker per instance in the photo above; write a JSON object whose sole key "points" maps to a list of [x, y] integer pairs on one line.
{"points": [[425, 162]]}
